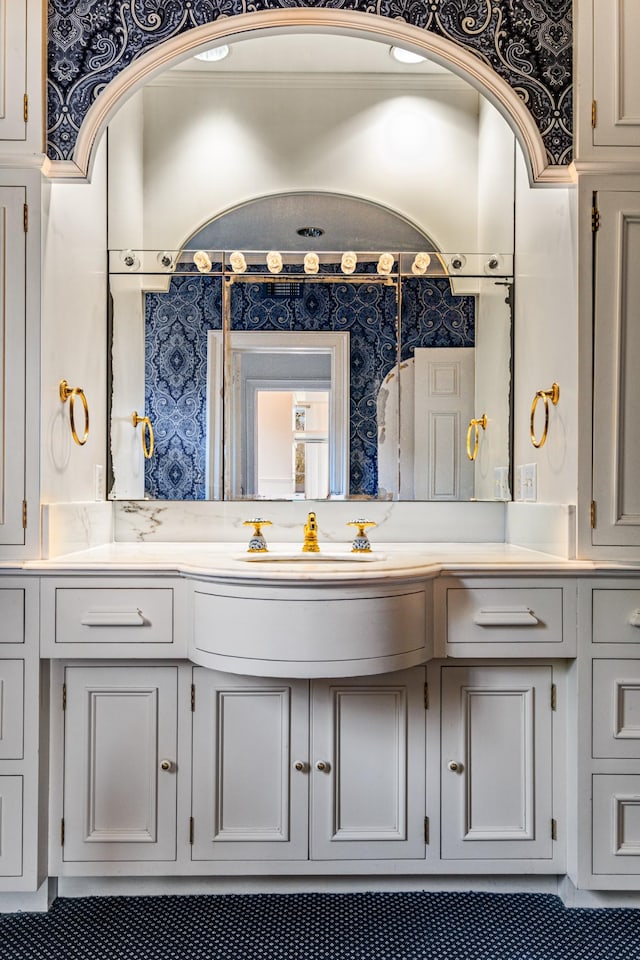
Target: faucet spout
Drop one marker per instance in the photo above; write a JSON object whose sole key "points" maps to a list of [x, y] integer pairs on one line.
{"points": [[310, 544]]}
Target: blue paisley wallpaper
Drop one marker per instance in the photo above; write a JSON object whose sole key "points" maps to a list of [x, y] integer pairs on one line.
{"points": [[177, 323], [526, 42]]}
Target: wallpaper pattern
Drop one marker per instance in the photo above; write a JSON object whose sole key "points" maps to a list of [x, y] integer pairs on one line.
{"points": [[527, 42], [177, 323]]}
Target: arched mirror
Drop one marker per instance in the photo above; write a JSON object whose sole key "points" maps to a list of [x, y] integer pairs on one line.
{"points": [[386, 381]]}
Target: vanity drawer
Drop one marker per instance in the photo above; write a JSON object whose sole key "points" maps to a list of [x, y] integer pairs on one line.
{"points": [[11, 790], [11, 709], [616, 616], [485, 618], [616, 823], [616, 708], [86, 617]]}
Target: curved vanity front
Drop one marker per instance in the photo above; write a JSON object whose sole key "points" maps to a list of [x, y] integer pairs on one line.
{"points": [[311, 630]]}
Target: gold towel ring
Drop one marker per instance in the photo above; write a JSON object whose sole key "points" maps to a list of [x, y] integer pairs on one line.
{"points": [[474, 424], [70, 394], [545, 395], [147, 438]]}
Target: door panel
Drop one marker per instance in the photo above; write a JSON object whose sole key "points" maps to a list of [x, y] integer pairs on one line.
{"points": [[12, 363], [368, 796], [120, 725], [496, 762], [249, 800], [616, 391]]}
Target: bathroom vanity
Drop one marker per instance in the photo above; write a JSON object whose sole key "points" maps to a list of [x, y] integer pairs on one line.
{"points": [[435, 713], [461, 706]]}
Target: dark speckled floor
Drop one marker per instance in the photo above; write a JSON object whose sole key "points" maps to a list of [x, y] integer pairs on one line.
{"points": [[360, 926]]}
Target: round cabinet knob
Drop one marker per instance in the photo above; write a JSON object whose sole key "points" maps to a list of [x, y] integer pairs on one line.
{"points": [[300, 765], [166, 765], [454, 766], [323, 766]]}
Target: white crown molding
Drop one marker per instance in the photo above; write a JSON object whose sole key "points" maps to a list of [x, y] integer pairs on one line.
{"points": [[298, 20], [421, 83]]}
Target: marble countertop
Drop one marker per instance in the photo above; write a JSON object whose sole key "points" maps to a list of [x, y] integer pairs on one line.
{"points": [[394, 560]]}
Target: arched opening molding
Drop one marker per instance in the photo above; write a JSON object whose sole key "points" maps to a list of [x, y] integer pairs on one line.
{"points": [[369, 26]]}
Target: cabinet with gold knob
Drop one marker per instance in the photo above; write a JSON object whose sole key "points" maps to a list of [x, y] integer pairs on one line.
{"points": [[120, 747]]}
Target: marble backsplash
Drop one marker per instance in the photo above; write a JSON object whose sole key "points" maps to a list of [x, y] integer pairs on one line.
{"points": [[223, 521], [71, 527]]}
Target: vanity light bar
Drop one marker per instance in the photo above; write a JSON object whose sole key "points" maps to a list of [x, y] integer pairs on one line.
{"points": [[298, 264]]}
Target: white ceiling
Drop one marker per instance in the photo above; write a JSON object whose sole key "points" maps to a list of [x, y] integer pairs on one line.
{"points": [[310, 53]]}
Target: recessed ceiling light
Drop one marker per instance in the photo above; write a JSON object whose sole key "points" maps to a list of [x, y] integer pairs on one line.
{"points": [[214, 54], [406, 56], [310, 232]]}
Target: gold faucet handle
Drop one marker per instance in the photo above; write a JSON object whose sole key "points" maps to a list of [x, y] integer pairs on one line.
{"points": [[361, 543], [310, 543], [257, 543]]}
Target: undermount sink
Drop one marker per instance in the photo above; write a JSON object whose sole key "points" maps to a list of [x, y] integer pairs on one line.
{"points": [[290, 555]]}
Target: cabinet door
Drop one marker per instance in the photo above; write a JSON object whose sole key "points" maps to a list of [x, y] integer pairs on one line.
{"points": [[496, 762], [250, 767], [616, 72], [13, 69], [10, 826], [368, 767], [12, 363], [120, 763], [616, 391]]}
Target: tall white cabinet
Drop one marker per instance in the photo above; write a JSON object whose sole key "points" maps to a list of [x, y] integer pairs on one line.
{"points": [[608, 167]]}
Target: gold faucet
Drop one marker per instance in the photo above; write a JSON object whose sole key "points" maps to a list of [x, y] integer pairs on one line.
{"points": [[310, 544]]}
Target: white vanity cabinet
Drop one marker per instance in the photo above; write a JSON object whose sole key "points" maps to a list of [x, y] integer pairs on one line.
{"points": [[119, 763], [290, 770], [608, 847], [22, 767], [497, 763]]}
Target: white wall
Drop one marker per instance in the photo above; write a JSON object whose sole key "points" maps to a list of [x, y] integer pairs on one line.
{"points": [[126, 231], [546, 332], [74, 335], [208, 147], [496, 173]]}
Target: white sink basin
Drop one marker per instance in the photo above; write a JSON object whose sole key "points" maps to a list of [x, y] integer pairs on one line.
{"points": [[287, 556]]}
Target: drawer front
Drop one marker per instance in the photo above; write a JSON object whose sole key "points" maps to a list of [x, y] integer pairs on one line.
{"points": [[616, 823], [11, 615], [505, 615], [616, 708], [11, 709], [10, 826], [616, 616], [113, 615]]}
